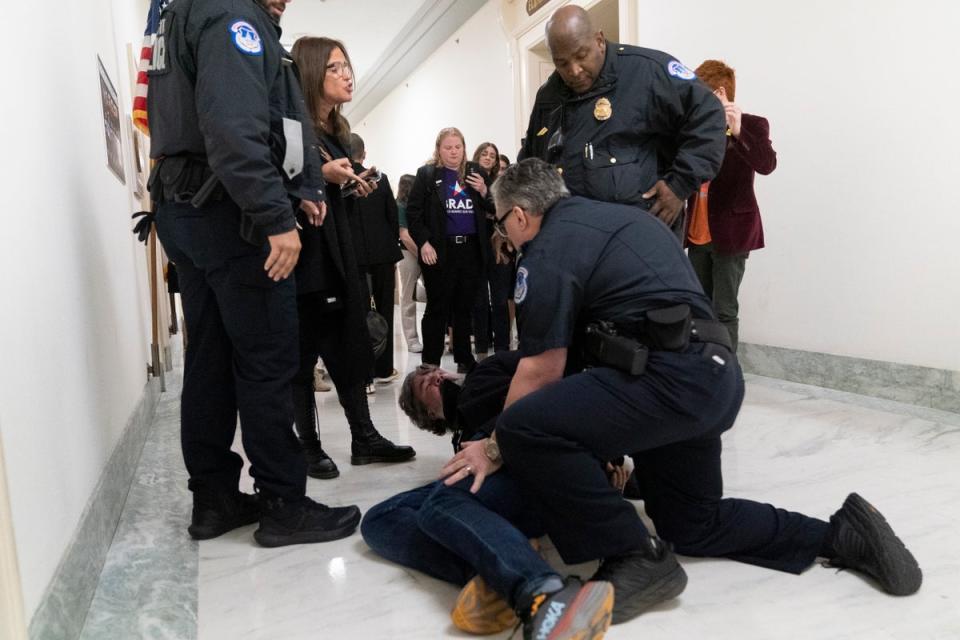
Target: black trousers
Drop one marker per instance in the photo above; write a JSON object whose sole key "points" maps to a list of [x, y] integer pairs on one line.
{"points": [[490, 311], [451, 287], [323, 335], [383, 282], [670, 419], [241, 355]]}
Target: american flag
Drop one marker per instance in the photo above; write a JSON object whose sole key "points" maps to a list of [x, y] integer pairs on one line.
{"points": [[146, 57]]}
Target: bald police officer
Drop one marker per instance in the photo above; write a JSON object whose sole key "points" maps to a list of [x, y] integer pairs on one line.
{"points": [[662, 386], [623, 123], [236, 153]]}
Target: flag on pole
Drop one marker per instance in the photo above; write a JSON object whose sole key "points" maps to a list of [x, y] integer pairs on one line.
{"points": [[146, 58]]}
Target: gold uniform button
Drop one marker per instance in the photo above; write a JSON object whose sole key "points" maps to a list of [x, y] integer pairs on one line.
{"points": [[613, 161]]}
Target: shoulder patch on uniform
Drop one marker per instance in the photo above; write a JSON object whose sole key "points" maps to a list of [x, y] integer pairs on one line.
{"points": [[246, 38], [678, 70], [520, 290]]}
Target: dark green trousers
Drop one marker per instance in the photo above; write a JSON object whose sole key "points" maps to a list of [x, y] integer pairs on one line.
{"points": [[720, 277]]}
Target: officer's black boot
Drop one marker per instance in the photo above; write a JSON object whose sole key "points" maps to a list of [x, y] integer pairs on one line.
{"points": [[303, 521], [217, 512], [319, 464], [571, 609], [642, 579], [368, 445], [859, 538]]}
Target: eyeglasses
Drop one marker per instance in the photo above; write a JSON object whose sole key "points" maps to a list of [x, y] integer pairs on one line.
{"points": [[498, 223], [340, 69]]}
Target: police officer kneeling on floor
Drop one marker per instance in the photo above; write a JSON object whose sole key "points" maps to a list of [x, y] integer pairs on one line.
{"points": [[603, 288], [236, 153], [624, 124]]}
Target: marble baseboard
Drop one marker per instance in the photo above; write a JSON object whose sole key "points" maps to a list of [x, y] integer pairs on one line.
{"points": [[64, 606], [923, 386]]}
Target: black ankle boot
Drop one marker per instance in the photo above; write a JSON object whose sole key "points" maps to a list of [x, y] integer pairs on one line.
{"points": [[319, 464], [368, 445], [859, 538]]}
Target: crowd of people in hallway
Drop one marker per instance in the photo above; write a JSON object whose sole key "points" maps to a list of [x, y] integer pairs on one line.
{"points": [[288, 240]]}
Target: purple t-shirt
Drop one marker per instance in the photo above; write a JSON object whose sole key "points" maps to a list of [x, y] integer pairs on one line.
{"points": [[459, 205]]}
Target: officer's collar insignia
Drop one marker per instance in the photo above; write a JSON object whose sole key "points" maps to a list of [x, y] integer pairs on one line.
{"points": [[246, 38], [520, 291], [602, 110], [678, 70], [542, 132]]}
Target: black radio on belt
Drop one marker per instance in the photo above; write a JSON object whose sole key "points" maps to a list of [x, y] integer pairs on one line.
{"points": [[604, 347]]}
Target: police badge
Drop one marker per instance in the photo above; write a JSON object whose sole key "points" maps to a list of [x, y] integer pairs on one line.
{"points": [[602, 110]]}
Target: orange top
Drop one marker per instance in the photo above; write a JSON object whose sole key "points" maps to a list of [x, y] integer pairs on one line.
{"points": [[699, 230]]}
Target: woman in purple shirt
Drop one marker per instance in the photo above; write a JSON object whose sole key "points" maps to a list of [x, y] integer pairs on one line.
{"points": [[446, 214]]}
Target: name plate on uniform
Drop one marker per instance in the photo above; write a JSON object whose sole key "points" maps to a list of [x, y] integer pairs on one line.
{"points": [[534, 5]]}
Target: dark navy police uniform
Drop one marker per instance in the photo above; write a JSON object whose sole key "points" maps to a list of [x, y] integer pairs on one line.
{"points": [[647, 117], [224, 101], [597, 261]]}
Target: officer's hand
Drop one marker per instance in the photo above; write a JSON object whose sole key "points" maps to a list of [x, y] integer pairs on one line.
{"points": [[316, 211], [734, 116], [500, 248], [470, 460], [618, 475], [475, 180], [428, 253], [284, 251], [667, 205]]}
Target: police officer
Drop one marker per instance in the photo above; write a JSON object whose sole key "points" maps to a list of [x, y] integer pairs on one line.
{"points": [[663, 387], [235, 155], [624, 124]]}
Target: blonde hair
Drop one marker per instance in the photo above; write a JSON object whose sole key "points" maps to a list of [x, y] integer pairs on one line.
{"points": [[446, 133]]}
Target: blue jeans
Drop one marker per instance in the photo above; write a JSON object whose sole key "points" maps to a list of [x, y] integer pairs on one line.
{"points": [[452, 534]]}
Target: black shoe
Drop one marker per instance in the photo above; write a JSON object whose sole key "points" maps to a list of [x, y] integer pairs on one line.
{"points": [[861, 539], [215, 513], [303, 522], [466, 367], [642, 579], [578, 610], [319, 464], [375, 448]]}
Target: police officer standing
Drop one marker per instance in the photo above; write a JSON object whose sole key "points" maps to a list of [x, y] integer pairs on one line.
{"points": [[236, 152], [662, 386], [624, 124]]}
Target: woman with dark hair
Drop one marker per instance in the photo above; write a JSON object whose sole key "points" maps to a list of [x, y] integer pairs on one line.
{"points": [[331, 302], [446, 214], [496, 285], [409, 269]]}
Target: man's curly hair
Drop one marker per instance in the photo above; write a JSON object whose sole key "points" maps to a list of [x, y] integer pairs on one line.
{"points": [[415, 409]]}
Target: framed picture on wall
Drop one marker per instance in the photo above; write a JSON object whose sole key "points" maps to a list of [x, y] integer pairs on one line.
{"points": [[111, 123]]}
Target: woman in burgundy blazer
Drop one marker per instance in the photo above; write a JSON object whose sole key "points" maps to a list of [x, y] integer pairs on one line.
{"points": [[735, 228]]}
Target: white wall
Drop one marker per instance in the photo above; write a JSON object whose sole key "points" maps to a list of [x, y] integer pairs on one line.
{"points": [[74, 332], [861, 215], [467, 83]]}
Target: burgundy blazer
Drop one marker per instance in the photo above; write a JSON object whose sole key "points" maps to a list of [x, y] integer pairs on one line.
{"points": [[734, 215]]}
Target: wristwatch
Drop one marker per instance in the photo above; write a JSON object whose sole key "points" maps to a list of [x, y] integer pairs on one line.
{"points": [[492, 449]]}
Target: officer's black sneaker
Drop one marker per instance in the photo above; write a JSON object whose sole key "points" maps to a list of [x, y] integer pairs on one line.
{"points": [[577, 611], [373, 447], [859, 538], [303, 521], [215, 513], [642, 579], [319, 464]]}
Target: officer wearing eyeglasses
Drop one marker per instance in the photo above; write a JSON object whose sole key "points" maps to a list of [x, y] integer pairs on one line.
{"points": [[624, 124]]}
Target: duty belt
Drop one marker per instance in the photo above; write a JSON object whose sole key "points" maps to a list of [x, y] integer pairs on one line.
{"points": [[184, 178]]}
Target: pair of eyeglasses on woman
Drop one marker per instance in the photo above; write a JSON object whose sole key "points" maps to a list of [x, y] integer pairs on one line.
{"points": [[340, 69], [498, 223]]}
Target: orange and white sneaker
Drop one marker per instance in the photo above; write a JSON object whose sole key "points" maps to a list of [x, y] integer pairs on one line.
{"points": [[480, 610]]}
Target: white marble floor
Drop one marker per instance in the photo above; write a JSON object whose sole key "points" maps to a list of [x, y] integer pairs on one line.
{"points": [[800, 447]]}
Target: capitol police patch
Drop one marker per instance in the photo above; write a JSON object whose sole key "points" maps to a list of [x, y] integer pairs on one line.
{"points": [[678, 70], [520, 290], [246, 38]]}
